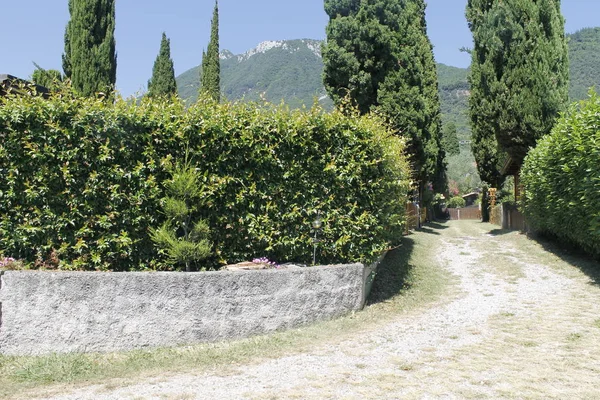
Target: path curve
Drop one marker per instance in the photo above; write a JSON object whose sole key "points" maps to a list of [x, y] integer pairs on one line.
{"points": [[515, 328]]}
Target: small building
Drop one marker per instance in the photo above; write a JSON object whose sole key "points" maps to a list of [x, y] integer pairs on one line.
{"points": [[12, 84], [470, 199]]}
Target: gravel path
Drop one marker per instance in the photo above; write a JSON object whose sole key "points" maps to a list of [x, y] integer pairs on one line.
{"points": [[515, 328]]}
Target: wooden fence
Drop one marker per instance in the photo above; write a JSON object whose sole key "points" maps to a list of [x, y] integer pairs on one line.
{"points": [[464, 213]]}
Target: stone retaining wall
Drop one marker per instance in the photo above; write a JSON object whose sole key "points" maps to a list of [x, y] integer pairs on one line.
{"points": [[48, 312]]}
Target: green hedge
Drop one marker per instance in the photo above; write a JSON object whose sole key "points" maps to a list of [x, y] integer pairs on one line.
{"points": [[561, 178], [456, 202], [81, 180]]}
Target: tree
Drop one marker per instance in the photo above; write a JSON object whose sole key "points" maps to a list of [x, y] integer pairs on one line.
{"points": [[180, 238], [163, 74], [519, 71], [49, 78], [450, 141], [378, 54], [90, 59], [210, 73]]}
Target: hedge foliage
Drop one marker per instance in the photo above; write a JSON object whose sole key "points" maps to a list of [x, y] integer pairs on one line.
{"points": [[561, 178], [82, 180], [456, 202]]}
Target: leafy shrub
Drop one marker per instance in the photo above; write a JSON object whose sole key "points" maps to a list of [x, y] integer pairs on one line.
{"points": [[82, 180], [456, 202], [561, 178]]}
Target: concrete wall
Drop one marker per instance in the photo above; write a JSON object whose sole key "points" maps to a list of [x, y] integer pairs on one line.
{"points": [[45, 312]]}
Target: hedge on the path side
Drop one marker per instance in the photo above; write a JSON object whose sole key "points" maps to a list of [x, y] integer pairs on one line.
{"points": [[81, 180], [561, 178]]}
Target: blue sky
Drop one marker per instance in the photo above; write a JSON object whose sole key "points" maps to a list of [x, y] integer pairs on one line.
{"points": [[32, 30]]}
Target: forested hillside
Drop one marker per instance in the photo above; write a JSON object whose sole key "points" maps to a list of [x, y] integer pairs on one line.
{"points": [[292, 70], [584, 56], [287, 70]]}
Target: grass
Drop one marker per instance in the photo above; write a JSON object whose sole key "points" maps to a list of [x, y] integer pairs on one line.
{"points": [[409, 279]]}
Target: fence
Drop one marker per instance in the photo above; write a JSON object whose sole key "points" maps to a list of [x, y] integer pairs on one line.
{"points": [[464, 213], [508, 217]]}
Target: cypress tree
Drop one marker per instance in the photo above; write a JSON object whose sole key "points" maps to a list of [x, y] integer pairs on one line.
{"points": [[450, 141], [163, 74], [519, 73], [66, 57], [379, 55], [210, 73], [90, 59]]}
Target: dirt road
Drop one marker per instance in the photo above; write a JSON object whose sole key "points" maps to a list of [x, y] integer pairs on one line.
{"points": [[517, 322]]}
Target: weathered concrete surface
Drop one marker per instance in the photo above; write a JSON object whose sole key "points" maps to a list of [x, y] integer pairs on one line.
{"points": [[46, 312]]}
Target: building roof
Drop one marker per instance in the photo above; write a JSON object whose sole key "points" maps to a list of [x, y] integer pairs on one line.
{"points": [[12, 83]]}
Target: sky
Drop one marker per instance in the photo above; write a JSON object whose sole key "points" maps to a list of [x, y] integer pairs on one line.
{"points": [[33, 31]]}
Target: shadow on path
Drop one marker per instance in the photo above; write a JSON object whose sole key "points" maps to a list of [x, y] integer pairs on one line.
{"points": [[572, 255], [499, 232], [392, 273], [432, 228]]}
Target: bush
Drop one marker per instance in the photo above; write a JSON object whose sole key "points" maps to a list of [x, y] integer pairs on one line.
{"points": [[561, 178], [82, 180], [456, 202]]}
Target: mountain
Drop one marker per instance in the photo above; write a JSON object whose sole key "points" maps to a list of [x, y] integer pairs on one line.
{"points": [[291, 70], [454, 98], [584, 57], [288, 70]]}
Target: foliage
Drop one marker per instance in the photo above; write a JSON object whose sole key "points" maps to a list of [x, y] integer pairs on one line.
{"points": [[366, 43], [210, 78], [82, 180], [49, 78], [181, 239], [462, 173], [290, 72], [561, 178], [519, 71], [163, 74], [9, 263], [450, 141], [456, 202], [584, 62], [90, 59]]}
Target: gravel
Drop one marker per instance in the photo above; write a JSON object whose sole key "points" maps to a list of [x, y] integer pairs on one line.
{"points": [[413, 356]]}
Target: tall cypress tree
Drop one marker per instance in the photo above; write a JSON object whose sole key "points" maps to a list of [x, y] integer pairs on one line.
{"points": [[379, 55], [482, 110], [90, 59], [66, 57], [519, 73], [163, 81], [210, 73]]}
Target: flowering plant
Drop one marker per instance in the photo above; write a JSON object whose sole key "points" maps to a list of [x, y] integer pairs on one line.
{"points": [[266, 261], [10, 263]]}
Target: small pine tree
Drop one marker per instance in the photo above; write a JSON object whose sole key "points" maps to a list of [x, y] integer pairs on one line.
{"points": [[163, 74], [180, 238], [210, 73]]}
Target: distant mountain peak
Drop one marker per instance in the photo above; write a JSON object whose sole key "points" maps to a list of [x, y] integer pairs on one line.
{"points": [[226, 55], [290, 45]]}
